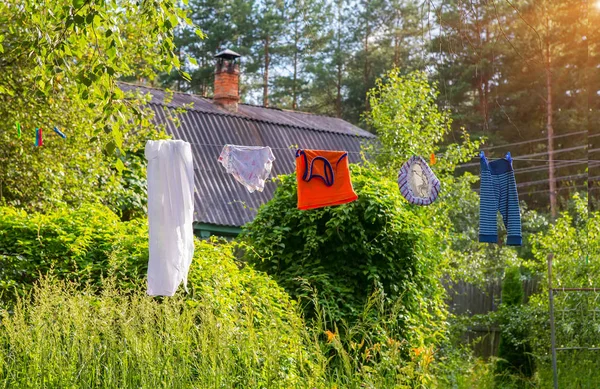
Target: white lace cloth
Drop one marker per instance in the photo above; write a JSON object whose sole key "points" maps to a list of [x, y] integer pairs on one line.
{"points": [[249, 165], [170, 215]]}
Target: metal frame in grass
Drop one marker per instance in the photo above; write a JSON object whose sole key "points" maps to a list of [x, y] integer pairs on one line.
{"points": [[551, 291]]}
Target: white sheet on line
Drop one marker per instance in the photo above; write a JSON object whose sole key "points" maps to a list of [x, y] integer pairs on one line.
{"points": [[170, 178]]}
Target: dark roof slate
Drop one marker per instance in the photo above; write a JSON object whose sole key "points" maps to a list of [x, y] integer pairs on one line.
{"points": [[219, 198]]}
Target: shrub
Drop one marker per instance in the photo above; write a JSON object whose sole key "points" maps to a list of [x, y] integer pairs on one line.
{"points": [[345, 253], [236, 327], [81, 245], [70, 338], [574, 241], [90, 244], [514, 352]]}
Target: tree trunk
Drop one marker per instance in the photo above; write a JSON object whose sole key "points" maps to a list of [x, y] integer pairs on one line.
{"points": [[549, 128], [485, 85], [366, 48], [397, 39], [266, 74], [338, 99], [295, 79]]}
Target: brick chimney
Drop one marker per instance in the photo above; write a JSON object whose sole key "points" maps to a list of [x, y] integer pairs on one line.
{"points": [[227, 77]]}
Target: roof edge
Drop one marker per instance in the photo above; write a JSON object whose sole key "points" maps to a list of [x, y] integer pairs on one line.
{"points": [[229, 114]]}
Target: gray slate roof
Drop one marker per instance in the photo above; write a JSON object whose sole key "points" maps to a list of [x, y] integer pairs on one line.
{"points": [[219, 198]]}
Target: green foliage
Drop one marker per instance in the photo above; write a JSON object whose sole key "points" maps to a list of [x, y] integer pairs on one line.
{"points": [[236, 327], [90, 244], [514, 352], [60, 67], [70, 338], [573, 240], [408, 122], [346, 252], [405, 117], [512, 288], [73, 52], [74, 171], [81, 245]]}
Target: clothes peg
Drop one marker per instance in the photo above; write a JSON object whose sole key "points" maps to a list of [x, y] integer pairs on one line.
{"points": [[18, 129], [41, 142], [508, 157], [60, 133], [432, 159], [37, 137], [481, 154]]}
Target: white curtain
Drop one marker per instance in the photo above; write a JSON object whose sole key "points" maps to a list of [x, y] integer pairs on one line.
{"points": [[170, 215]]}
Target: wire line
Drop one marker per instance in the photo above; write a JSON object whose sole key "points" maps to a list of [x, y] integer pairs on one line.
{"points": [[535, 140]]}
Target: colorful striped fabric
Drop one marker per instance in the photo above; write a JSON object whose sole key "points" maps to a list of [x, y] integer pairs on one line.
{"points": [[498, 192], [417, 182]]}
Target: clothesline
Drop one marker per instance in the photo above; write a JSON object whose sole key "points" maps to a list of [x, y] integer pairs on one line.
{"points": [[539, 140], [293, 149], [558, 189]]}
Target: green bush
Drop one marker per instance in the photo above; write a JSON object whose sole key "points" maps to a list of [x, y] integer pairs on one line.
{"points": [[347, 252], [574, 241], [514, 352], [80, 245], [72, 338], [90, 244], [91, 324]]}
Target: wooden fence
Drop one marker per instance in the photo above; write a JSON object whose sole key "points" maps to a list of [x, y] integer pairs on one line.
{"points": [[468, 299]]}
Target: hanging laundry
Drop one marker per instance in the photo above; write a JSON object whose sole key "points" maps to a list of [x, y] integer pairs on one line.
{"points": [[417, 182], [249, 165], [170, 179], [498, 192], [323, 179], [60, 133]]}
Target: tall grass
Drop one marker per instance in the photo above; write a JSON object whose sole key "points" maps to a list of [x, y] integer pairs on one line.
{"points": [[576, 369], [67, 338]]}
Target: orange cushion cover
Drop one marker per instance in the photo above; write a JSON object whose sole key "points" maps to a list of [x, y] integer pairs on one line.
{"points": [[323, 179]]}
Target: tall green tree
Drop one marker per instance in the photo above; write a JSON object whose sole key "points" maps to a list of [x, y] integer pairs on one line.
{"points": [[468, 50], [329, 68], [51, 48], [269, 18], [386, 34], [226, 24], [59, 67], [304, 39], [514, 72]]}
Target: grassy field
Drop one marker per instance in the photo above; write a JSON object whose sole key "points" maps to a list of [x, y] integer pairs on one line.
{"points": [[69, 338]]}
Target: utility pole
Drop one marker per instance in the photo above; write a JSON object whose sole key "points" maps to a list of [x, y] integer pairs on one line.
{"points": [[549, 128]]}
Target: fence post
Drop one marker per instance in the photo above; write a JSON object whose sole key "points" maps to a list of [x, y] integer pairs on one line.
{"points": [[552, 331]]}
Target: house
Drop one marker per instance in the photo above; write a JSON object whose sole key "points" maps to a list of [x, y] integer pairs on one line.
{"points": [[222, 205]]}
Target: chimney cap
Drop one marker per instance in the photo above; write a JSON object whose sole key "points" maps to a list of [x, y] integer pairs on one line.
{"points": [[227, 54]]}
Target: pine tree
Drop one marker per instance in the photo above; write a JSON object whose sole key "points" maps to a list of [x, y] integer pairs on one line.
{"points": [[304, 39], [228, 25], [269, 18], [327, 69]]}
